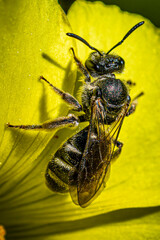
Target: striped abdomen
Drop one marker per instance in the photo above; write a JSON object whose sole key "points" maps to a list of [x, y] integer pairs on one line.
{"points": [[69, 155]]}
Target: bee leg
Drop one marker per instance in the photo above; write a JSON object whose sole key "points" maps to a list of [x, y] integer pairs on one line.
{"points": [[117, 152], [69, 121], [81, 67], [133, 104], [65, 96]]}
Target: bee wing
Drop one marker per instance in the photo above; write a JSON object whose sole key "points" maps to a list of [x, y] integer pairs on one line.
{"points": [[88, 180], [116, 127]]}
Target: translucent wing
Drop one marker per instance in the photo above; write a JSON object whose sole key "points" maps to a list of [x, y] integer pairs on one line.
{"points": [[88, 179]]}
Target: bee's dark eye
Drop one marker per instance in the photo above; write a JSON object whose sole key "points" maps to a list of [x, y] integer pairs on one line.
{"points": [[98, 68], [122, 61]]}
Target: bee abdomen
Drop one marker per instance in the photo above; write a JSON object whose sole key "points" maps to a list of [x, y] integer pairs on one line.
{"points": [[67, 157], [57, 175]]}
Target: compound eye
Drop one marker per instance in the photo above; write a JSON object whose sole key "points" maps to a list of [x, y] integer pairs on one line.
{"points": [[128, 99], [98, 68], [121, 64], [121, 61]]}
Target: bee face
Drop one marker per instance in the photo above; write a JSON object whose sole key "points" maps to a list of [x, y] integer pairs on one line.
{"points": [[98, 64]]}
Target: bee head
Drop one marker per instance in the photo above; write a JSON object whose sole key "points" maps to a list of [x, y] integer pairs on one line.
{"points": [[99, 63], [102, 64]]}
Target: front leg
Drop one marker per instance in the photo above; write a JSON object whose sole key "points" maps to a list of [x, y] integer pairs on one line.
{"points": [[81, 67], [61, 122], [65, 96]]}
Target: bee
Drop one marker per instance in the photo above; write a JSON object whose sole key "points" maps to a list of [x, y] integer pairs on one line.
{"points": [[82, 164]]}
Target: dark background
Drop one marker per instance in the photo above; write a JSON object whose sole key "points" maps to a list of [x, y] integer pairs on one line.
{"points": [[149, 9]]}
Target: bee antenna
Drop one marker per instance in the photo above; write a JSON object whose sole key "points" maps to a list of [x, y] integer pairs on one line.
{"points": [[127, 34], [84, 41]]}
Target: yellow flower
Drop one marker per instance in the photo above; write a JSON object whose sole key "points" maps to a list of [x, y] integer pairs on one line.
{"points": [[34, 43]]}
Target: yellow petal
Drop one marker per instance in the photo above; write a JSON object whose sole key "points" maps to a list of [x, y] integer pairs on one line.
{"points": [[32, 34], [33, 43]]}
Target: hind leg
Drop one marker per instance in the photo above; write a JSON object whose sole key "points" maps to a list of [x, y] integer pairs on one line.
{"points": [[69, 121]]}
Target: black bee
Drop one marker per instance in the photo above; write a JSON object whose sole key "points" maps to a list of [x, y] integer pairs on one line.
{"points": [[82, 164]]}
